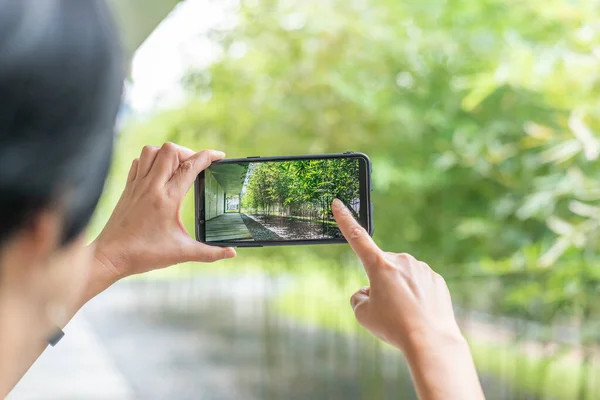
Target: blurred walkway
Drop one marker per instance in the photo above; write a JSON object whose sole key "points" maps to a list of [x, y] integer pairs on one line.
{"points": [[216, 337], [77, 368], [222, 338]]}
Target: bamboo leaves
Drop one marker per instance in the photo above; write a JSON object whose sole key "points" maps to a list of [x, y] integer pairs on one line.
{"points": [[302, 188]]}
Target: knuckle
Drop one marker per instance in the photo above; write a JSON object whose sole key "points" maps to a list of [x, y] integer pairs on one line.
{"points": [[169, 147], [159, 200], [425, 266], [403, 262], [206, 155], [357, 233], [147, 150], [187, 165], [381, 259], [426, 269], [171, 192], [203, 158], [440, 279], [405, 257], [212, 257]]}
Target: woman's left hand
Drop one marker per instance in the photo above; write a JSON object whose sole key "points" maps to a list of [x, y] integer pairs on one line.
{"points": [[145, 231]]}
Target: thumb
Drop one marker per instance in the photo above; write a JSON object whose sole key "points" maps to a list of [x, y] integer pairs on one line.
{"points": [[200, 252]]}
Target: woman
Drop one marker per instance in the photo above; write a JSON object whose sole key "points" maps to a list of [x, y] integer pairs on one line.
{"points": [[61, 77]]}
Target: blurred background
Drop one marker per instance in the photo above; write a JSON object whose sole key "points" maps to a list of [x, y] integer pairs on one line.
{"points": [[481, 120]]}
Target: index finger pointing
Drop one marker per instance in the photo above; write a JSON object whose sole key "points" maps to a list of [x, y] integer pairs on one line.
{"points": [[358, 238]]}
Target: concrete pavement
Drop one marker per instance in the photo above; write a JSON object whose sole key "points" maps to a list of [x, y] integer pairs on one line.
{"points": [[77, 368]]}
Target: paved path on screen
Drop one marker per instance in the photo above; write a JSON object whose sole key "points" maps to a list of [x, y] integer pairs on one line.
{"points": [[229, 226]]}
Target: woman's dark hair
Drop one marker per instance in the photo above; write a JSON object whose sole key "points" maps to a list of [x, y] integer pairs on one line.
{"points": [[61, 77]]}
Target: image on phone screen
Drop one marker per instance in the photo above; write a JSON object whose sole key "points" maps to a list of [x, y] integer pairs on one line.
{"points": [[271, 201]]}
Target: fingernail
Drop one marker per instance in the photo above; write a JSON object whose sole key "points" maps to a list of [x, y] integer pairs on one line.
{"points": [[337, 203]]}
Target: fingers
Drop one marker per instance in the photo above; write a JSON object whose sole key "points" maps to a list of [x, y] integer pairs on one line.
{"points": [[172, 162], [359, 297], [358, 238], [186, 174], [168, 159], [359, 302], [201, 252], [133, 170], [146, 161]]}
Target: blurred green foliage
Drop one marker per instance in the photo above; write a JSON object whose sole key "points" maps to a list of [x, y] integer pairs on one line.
{"points": [[480, 119], [474, 141]]}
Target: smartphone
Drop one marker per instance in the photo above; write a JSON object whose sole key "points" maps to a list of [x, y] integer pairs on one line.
{"points": [[275, 201]]}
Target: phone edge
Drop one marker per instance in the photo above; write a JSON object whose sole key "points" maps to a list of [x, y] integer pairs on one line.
{"points": [[368, 190]]}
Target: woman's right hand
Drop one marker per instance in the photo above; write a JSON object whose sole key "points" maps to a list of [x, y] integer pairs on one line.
{"points": [[408, 305], [406, 300]]}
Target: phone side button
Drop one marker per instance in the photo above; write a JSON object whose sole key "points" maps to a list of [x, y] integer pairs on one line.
{"points": [[253, 157], [372, 220]]}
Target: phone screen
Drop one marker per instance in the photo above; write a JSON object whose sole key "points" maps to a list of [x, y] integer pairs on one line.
{"points": [[279, 201]]}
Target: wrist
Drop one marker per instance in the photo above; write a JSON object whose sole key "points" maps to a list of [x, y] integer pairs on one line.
{"points": [[434, 344], [102, 275], [442, 366]]}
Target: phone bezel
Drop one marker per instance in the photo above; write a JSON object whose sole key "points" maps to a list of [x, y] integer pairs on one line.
{"points": [[366, 211]]}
